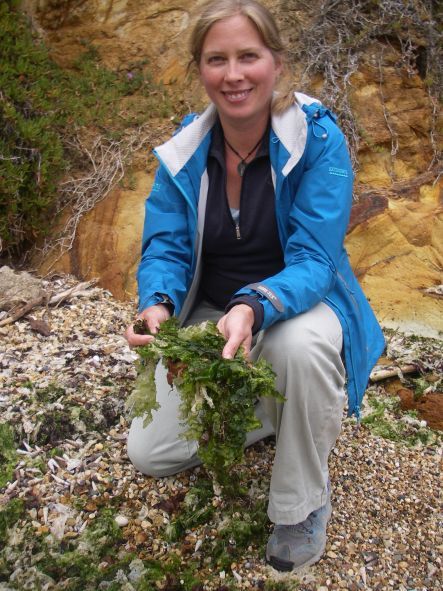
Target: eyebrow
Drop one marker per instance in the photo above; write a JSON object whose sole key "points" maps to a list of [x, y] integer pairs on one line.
{"points": [[220, 51]]}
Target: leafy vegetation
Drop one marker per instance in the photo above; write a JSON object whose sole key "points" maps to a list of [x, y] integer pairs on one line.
{"points": [[217, 395], [42, 107]]}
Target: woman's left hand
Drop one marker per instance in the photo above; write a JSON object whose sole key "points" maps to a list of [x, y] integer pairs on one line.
{"points": [[236, 327]]}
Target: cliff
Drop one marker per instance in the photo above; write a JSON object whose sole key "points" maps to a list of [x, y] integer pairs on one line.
{"points": [[395, 239]]}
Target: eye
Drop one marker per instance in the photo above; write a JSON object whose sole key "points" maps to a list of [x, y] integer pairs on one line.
{"points": [[215, 59], [249, 56]]}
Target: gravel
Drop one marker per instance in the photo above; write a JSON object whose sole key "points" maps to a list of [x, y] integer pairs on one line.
{"points": [[64, 395]]}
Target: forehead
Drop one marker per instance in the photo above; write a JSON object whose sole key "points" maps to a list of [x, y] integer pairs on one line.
{"points": [[238, 29]]}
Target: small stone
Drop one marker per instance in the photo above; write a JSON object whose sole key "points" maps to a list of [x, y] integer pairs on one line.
{"points": [[120, 520], [71, 534], [141, 537], [403, 564]]}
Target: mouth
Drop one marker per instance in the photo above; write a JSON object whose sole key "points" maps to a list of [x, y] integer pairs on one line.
{"points": [[236, 96]]}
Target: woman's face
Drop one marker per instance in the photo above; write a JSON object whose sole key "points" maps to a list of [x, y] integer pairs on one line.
{"points": [[238, 71]]}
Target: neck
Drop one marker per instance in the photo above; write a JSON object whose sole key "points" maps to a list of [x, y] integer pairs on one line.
{"points": [[244, 135]]}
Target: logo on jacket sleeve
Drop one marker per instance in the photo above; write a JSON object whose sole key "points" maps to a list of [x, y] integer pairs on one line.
{"points": [[268, 294], [338, 171]]}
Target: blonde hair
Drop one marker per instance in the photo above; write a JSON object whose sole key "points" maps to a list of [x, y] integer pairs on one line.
{"points": [[217, 10]]}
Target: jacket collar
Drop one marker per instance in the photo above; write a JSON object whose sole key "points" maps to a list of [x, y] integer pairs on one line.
{"points": [[176, 152], [291, 129]]}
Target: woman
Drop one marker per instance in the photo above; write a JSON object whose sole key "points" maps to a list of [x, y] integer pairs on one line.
{"points": [[245, 225]]}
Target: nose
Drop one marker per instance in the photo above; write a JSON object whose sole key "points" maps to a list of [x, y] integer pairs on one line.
{"points": [[233, 71]]}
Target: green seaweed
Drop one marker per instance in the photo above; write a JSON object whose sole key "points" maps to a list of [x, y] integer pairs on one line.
{"points": [[218, 395], [243, 526], [195, 510], [71, 561]]}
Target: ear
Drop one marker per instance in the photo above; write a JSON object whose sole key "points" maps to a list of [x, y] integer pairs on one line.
{"points": [[278, 64]]}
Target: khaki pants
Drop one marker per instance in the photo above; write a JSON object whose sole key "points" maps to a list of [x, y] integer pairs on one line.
{"points": [[305, 353]]}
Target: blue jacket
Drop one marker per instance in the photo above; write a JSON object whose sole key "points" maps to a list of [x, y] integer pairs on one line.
{"points": [[313, 180]]}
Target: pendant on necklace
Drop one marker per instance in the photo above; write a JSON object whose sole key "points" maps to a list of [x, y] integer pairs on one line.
{"points": [[241, 167]]}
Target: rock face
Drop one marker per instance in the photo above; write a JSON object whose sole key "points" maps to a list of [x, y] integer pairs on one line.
{"points": [[395, 238]]}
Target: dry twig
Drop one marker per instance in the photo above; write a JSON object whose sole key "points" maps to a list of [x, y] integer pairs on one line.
{"points": [[392, 371], [81, 289]]}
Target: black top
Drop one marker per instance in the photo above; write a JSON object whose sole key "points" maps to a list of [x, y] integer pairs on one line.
{"points": [[235, 255]]}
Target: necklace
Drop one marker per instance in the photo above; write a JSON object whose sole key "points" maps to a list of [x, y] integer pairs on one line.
{"points": [[241, 166]]}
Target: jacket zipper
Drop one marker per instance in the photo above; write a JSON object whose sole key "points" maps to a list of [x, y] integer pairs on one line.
{"points": [[237, 231]]}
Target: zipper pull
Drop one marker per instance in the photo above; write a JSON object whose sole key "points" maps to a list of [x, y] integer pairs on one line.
{"points": [[237, 231]]}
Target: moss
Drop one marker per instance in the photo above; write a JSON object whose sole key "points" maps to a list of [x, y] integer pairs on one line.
{"points": [[384, 420], [55, 451], [245, 526], [8, 453], [280, 585], [9, 515], [71, 562], [420, 385], [217, 396], [57, 425], [49, 394], [171, 575], [196, 509]]}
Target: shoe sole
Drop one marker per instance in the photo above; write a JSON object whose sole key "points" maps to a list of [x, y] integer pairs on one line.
{"points": [[286, 566]]}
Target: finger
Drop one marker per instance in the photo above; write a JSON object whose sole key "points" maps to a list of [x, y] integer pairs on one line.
{"points": [[137, 340], [153, 326], [220, 326], [231, 347]]}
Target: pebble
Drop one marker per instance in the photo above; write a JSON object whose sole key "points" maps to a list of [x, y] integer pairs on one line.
{"points": [[121, 520], [385, 496]]}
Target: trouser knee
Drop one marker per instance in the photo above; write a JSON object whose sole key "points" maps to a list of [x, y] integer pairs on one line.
{"points": [[157, 453]]}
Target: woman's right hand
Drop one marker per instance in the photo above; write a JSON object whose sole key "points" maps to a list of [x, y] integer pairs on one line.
{"points": [[153, 317]]}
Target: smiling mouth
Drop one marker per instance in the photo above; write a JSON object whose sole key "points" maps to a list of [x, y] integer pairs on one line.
{"points": [[237, 96]]}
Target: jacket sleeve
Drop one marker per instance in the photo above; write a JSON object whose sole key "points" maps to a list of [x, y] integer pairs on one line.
{"points": [[166, 256], [318, 218]]}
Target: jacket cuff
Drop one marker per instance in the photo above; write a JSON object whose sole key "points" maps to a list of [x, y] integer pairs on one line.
{"points": [[166, 301], [253, 303], [158, 298]]}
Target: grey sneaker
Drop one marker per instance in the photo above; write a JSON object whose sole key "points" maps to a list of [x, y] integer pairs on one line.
{"points": [[294, 546]]}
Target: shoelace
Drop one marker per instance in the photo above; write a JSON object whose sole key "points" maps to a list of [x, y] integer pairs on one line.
{"points": [[306, 525]]}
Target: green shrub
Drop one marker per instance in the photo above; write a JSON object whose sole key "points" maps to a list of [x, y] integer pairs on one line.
{"points": [[41, 107]]}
